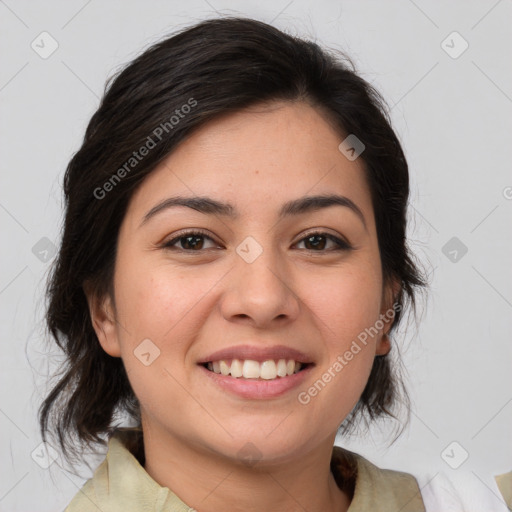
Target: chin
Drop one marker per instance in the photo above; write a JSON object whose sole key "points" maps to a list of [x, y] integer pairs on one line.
{"points": [[257, 446]]}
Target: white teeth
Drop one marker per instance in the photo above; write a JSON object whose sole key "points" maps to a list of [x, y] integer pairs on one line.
{"points": [[268, 370], [236, 368], [250, 369], [281, 368], [224, 368]]}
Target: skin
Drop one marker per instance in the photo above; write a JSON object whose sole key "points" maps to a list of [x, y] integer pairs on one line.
{"points": [[192, 304]]}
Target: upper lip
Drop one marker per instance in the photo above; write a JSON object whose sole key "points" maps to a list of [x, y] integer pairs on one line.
{"points": [[258, 353]]}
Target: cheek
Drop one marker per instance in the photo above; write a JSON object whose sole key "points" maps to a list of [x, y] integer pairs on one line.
{"points": [[347, 304], [155, 310], [346, 308], [153, 300]]}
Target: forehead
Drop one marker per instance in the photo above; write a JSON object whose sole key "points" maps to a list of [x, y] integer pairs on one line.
{"points": [[258, 159]]}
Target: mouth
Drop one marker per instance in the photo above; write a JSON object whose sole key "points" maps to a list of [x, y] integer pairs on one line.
{"points": [[250, 369], [255, 372]]}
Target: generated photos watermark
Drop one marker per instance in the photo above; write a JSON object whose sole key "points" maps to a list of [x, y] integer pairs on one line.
{"points": [[342, 360], [151, 142]]}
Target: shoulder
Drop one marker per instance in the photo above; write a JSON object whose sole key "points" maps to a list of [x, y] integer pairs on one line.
{"points": [[120, 467], [85, 500], [375, 488], [121, 484]]}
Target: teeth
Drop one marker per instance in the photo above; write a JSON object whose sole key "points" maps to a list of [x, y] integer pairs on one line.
{"points": [[224, 368], [236, 368], [249, 369], [268, 370], [281, 368]]}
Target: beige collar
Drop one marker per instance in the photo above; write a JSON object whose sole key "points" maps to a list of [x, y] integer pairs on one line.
{"points": [[122, 484]]}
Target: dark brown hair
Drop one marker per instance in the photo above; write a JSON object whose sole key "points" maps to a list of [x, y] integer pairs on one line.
{"points": [[215, 67]]}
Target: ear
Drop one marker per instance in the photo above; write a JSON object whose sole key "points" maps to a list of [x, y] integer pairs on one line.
{"points": [[103, 320], [387, 315]]}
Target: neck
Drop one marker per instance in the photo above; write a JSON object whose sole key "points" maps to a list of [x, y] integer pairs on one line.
{"points": [[207, 482]]}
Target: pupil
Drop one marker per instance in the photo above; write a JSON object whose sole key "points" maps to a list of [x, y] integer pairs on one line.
{"points": [[317, 245], [192, 245]]}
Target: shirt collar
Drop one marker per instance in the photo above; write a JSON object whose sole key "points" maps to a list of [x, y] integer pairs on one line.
{"points": [[122, 474]]}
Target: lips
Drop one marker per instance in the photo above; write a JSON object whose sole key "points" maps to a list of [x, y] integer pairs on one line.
{"points": [[257, 372], [258, 353], [257, 388]]}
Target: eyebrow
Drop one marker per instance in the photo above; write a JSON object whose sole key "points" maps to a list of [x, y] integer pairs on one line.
{"points": [[298, 206]]}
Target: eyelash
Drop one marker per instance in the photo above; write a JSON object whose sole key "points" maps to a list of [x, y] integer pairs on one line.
{"points": [[342, 245]]}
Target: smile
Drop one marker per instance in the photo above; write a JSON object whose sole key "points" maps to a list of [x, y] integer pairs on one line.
{"points": [[249, 369]]}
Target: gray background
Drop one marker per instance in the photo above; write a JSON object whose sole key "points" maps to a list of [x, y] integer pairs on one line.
{"points": [[451, 110]]}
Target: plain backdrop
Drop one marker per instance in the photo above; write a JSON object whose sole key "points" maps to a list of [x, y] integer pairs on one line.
{"points": [[444, 69]]}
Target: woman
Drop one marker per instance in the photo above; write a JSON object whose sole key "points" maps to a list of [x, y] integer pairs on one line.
{"points": [[232, 267]]}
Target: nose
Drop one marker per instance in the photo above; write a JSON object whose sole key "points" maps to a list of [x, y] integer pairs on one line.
{"points": [[260, 293]]}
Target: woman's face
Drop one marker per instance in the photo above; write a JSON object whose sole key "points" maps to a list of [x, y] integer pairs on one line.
{"points": [[270, 277]]}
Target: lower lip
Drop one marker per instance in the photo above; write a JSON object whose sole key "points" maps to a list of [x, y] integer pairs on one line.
{"points": [[258, 388]]}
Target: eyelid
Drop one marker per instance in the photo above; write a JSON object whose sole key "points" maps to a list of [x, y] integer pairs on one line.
{"points": [[188, 232], [339, 239], [341, 242]]}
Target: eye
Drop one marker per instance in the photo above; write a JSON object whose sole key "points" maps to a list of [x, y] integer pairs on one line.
{"points": [[194, 241], [190, 241], [318, 241]]}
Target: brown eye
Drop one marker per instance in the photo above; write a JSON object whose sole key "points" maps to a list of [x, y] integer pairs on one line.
{"points": [[318, 241], [192, 241]]}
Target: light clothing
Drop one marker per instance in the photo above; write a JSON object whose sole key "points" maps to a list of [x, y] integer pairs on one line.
{"points": [[465, 491], [504, 483], [121, 484]]}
